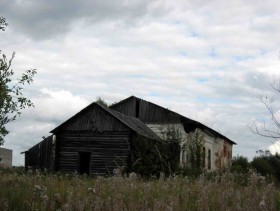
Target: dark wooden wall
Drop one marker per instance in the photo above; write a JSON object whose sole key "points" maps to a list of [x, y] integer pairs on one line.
{"points": [[127, 107], [108, 151], [94, 130], [146, 111], [152, 113], [40, 156], [94, 119]]}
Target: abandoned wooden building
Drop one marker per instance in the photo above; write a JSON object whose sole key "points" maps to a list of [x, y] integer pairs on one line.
{"points": [[99, 139]]}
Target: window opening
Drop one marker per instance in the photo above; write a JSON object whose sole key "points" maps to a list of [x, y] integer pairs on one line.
{"points": [[209, 159]]}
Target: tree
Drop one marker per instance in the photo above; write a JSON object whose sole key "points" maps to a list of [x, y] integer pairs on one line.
{"points": [[101, 101], [193, 154], [194, 148], [3, 23], [267, 164], [272, 131], [240, 164], [12, 100]]}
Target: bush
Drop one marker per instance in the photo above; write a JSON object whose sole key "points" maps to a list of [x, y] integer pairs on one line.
{"points": [[263, 166], [191, 172], [240, 164], [151, 157]]}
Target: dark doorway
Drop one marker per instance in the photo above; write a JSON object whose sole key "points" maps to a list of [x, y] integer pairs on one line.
{"points": [[84, 162]]}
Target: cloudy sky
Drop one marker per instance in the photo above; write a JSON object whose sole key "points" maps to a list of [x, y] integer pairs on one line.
{"points": [[208, 60]]}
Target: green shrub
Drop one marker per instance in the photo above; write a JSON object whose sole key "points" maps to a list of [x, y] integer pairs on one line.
{"points": [[240, 164], [190, 172], [262, 166], [151, 157]]}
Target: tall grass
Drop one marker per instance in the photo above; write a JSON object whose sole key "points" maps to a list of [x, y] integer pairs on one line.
{"points": [[38, 191]]}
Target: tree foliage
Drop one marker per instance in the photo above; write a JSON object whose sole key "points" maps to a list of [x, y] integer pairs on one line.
{"points": [[146, 157], [12, 100], [194, 147], [240, 164], [264, 163], [152, 157], [101, 101], [3, 24], [267, 164], [191, 148]]}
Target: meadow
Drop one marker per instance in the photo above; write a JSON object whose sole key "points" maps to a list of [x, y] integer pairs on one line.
{"points": [[32, 190]]}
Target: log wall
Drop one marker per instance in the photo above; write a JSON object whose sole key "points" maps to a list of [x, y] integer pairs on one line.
{"points": [[108, 151], [41, 155]]}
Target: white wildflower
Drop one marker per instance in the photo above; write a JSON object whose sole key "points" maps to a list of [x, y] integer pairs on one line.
{"points": [[91, 190], [262, 203], [132, 176]]}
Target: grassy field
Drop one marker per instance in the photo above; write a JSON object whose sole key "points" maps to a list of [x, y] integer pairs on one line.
{"points": [[36, 191]]}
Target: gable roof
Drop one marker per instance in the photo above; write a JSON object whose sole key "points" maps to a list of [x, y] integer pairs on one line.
{"points": [[188, 123], [133, 123]]}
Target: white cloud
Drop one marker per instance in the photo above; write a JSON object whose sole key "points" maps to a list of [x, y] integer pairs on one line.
{"points": [[207, 60], [56, 105], [274, 148], [51, 109]]}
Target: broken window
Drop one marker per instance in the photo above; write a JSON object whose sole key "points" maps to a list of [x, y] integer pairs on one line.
{"points": [[209, 159], [184, 156], [225, 151], [203, 157]]}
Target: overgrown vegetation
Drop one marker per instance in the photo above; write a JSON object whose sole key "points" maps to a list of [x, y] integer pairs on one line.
{"points": [[193, 155], [240, 164], [264, 163], [152, 157], [38, 191]]}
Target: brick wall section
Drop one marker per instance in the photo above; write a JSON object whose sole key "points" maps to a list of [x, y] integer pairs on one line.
{"points": [[6, 156]]}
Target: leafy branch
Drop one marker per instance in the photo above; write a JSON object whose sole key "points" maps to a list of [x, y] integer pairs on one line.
{"points": [[12, 100]]}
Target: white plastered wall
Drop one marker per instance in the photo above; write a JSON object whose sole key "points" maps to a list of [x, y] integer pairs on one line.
{"points": [[214, 144], [6, 156]]}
